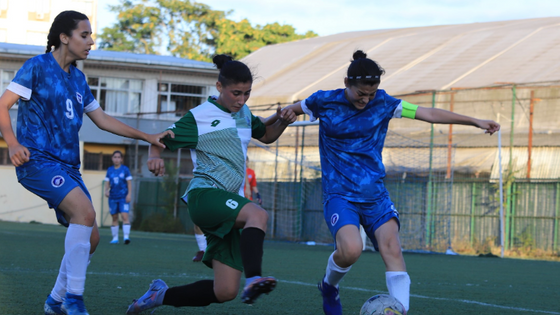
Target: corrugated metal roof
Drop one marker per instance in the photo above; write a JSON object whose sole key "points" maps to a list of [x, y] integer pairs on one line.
{"points": [[114, 56], [544, 163], [421, 58]]}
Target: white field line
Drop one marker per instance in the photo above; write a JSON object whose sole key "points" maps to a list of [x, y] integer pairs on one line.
{"points": [[200, 276]]}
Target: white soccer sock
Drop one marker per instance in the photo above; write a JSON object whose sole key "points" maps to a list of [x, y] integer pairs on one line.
{"points": [[59, 290], [398, 283], [126, 230], [201, 240], [334, 273], [115, 232], [77, 246]]}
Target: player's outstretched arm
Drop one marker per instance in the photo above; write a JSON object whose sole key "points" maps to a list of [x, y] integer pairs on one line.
{"points": [[273, 131], [18, 153], [155, 162], [296, 108], [440, 116], [113, 125]]}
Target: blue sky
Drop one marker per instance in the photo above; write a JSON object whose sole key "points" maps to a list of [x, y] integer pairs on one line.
{"points": [[326, 17]]}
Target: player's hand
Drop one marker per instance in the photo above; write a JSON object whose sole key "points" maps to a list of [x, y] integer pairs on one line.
{"points": [[127, 199], [259, 199], [107, 193], [156, 166], [489, 125], [286, 115], [18, 154], [155, 139]]}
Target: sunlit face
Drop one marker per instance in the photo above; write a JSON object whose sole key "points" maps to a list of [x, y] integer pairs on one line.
{"points": [[360, 94], [234, 96], [79, 44], [117, 159]]}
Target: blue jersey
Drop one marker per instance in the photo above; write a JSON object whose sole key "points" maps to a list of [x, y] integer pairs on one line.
{"points": [[118, 177], [51, 109], [351, 142]]}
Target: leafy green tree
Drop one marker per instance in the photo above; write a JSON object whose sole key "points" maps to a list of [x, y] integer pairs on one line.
{"points": [[189, 30]]}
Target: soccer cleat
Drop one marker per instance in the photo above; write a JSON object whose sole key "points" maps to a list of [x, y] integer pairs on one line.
{"points": [[152, 298], [331, 299], [74, 305], [259, 286], [53, 307], [114, 242], [126, 241], [198, 256]]}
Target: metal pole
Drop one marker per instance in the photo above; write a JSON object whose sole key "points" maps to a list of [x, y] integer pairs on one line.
{"points": [[429, 188], [301, 183], [176, 199], [473, 205], [450, 139], [530, 146], [501, 193], [274, 193], [514, 98]]}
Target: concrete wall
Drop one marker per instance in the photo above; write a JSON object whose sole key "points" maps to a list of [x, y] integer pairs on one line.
{"points": [[19, 205]]}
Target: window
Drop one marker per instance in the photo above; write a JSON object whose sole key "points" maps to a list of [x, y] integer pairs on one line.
{"points": [[97, 161], [4, 157], [6, 78], [117, 96], [178, 99]]}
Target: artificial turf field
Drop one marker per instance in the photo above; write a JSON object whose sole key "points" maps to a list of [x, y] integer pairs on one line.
{"points": [[30, 256]]}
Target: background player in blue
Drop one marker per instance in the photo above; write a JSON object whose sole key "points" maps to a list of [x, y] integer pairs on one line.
{"points": [[218, 132], [352, 130], [118, 182], [53, 96]]}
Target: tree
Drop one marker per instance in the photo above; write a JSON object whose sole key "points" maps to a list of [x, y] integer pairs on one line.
{"points": [[189, 30]]}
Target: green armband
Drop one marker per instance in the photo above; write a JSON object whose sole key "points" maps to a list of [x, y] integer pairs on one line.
{"points": [[408, 110]]}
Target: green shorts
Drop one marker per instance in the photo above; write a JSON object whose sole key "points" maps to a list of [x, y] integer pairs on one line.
{"points": [[215, 212]]}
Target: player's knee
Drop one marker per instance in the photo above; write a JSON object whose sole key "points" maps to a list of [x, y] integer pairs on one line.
{"points": [[226, 294], [391, 247], [263, 215], [94, 240], [350, 253]]}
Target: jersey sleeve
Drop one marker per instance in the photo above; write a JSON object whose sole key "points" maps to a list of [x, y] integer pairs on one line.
{"points": [[107, 175], [24, 80], [310, 106], [127, 174], [186, 133], [258, 129], [90, 103], [405, 109]]}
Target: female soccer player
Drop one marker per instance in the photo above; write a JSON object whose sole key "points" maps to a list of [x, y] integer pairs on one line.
{"points": [[218, 132], [352, 130], [53, 96], [118, 186]]}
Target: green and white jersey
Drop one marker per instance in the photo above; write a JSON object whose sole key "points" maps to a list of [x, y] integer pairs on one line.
{"points": [[218, 140]]}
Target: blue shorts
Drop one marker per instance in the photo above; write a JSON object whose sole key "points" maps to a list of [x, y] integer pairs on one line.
{"points": [[52, 182], [340, 212], [118, 206]]}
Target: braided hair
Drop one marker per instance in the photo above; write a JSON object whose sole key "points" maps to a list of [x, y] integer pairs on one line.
{"points": [[64, 23]]}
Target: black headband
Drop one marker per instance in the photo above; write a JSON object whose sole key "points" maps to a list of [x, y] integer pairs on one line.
{"points": [[365, 77]]}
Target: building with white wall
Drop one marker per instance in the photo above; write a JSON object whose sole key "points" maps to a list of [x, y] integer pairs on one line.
{"points": [[28, 21], [148, 92]]}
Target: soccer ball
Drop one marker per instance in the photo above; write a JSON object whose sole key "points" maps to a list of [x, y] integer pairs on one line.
{"points": [[382, 304]]}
